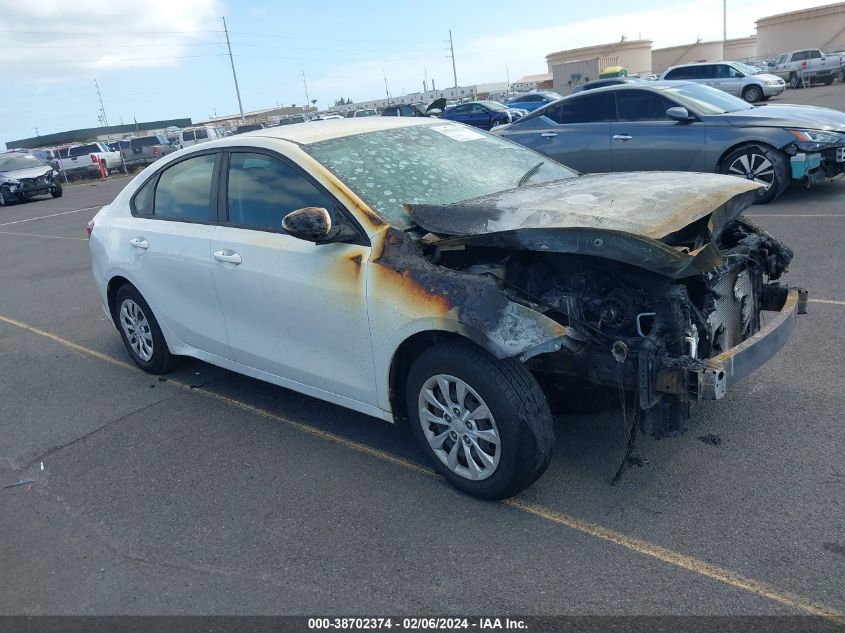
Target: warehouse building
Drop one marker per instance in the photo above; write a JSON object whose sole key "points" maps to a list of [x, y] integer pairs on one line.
{"points": [[818, 27]]}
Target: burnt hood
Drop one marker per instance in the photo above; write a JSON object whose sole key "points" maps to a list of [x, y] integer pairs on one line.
{"points": [[649, 205]]}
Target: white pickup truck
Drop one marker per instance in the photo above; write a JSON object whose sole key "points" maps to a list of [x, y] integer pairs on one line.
{"points": [[810, 65], [76, 159]]}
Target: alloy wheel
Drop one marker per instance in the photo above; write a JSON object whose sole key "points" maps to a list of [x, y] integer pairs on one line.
{"points": [[459, 427], [754, 167], [134, 323]]}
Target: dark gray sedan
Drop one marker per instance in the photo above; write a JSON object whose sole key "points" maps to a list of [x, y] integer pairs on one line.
{"points": [[679, 126]]}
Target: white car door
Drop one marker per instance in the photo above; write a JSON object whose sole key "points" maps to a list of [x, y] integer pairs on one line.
{"points": [[294, 309], [168, 249]]}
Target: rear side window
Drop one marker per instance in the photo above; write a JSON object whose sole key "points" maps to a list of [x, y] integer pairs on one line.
{"points": [[83, 150], [815, 54], [202, 134], [590, 108], [188, 136], [184, 190], [640, 105], [262, 190]]}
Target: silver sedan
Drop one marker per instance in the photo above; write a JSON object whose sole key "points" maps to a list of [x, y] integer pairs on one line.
{"points": [[680, 126]]}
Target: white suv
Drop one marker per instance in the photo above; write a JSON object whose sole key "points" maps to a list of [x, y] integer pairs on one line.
{"points": [[736, 78]]}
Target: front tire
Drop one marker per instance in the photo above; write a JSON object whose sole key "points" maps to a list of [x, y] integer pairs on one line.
{"points": [[484, 423], [57, 190], [752, 94], [140, 332], [762, 164], [794, 81]]}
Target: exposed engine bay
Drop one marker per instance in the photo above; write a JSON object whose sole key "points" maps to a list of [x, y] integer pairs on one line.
{"points": [[660, 318]]}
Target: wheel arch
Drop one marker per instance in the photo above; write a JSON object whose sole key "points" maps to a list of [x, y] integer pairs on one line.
{"points": [[115, 283], [403, 358], [746, 142]]}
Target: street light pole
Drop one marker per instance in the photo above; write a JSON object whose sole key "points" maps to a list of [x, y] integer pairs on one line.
{"points": [[234, 75], [724, 20]]}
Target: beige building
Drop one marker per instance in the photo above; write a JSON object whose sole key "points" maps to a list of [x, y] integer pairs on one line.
{"points": [[740, 48], [663, 58], [819, 27], [634, 55]]}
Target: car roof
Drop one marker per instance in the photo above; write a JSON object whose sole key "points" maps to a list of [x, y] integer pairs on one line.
{"points": [[315, 131], [721, 61]]}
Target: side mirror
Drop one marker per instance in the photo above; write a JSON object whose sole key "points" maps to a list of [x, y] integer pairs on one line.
{"points": [[679, 114], [312, 224]]}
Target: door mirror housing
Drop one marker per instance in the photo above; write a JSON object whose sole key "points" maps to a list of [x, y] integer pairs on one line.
{"points": [[312, 224], [679, 114]]}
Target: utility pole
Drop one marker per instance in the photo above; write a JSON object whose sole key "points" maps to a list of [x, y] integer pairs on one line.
{"points": [[102, 107], [307, 98], [724, 20], [454, 72], [386, 91], [508, 76], [234, 75]]}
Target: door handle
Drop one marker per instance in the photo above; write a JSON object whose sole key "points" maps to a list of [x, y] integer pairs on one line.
{"points": [[549, 134], [622, 137], [139, 242], [230, 257]]}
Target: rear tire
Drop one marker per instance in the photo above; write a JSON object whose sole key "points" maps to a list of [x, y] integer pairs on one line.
{"points": [[762, 164], [494, 406], [140, 332]]}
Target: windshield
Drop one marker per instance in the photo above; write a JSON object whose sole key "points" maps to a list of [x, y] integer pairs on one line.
{"points": [[493, 105], [439, 163], [707, 100], [748, 70], [21, 161]]}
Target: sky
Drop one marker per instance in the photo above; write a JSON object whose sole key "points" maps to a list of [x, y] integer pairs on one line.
{"points": [[164, 59]]}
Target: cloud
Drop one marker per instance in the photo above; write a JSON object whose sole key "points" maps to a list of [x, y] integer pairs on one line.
{"points": [[46, 41]]}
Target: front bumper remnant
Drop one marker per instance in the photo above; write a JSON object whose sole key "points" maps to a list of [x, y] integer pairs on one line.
{"points": [[716, 374]]}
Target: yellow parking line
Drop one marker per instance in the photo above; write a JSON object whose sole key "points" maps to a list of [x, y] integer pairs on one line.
{"points": [[832, 302], [49, 237], [634, 544]]}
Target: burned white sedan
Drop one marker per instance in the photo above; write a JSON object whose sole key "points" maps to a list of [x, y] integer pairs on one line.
{"points": [[417, 269]]}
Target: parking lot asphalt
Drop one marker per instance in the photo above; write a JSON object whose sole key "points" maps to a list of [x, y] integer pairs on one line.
{"points": [[212, 493]]}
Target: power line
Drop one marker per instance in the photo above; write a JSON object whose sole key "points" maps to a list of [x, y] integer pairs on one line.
{"points": [[91, 61]]}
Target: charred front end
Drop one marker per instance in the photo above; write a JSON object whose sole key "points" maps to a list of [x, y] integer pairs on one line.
{"points": [[669, 320]]}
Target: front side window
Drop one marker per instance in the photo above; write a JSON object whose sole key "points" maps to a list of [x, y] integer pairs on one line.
{"points": [[262, 190], [184, 190], [679, 73], [640, 105]]}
